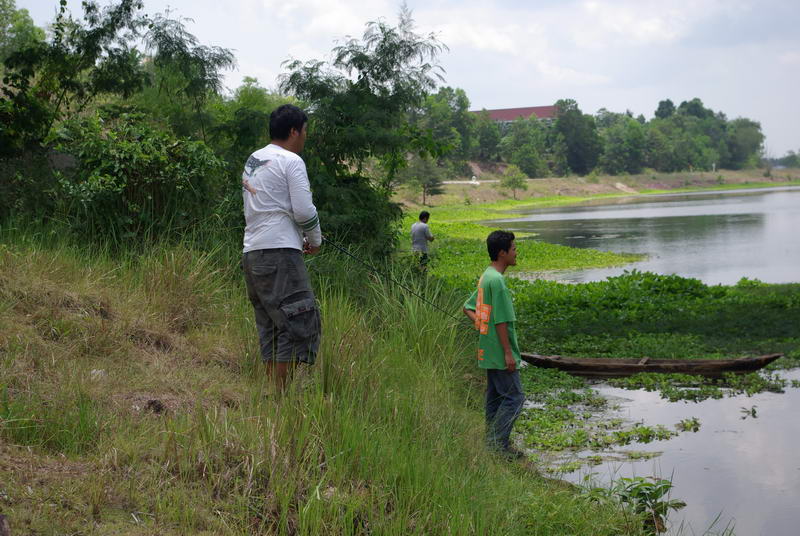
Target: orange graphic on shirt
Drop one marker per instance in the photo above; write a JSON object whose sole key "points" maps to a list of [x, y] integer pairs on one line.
{"points": [[480, 354], [483, 313]]}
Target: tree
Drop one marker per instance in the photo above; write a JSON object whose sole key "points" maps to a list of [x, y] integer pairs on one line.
{"points": [[17, 30], [186, 72], [362, 101], [424, 176], [557, 155], [488, 134], [524, 145], [745, 143], [513, 179], [446, 114], [659, 152], [695, 108], [624, 147], [47, 81], [665, 109], [580, 136], [790, 159], [241, 123], [361, 108]]}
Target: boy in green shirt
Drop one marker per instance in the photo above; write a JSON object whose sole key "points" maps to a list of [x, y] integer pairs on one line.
{"points": [[491, 310]]}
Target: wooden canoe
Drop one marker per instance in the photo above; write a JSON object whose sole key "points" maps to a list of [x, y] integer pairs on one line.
{"points": [[615, 368]]}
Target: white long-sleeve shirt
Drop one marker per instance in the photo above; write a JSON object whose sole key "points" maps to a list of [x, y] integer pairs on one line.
{"points": [[281, 210]]}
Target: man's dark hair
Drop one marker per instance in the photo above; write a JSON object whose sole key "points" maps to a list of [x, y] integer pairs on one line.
{"points": [[498, 241], [424, 215], [283, 119]]}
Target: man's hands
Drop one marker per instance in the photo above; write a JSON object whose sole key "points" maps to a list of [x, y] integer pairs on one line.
{"points": [[472, 315], [308, 249], [511, 363], [502, 335], [246, 186]]}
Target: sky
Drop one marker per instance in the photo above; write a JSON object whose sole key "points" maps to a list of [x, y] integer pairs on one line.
{"points": [[741, 57]]}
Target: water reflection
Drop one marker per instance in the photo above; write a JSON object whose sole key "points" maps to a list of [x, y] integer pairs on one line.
{"points": [[746, 471], [718, 238]]}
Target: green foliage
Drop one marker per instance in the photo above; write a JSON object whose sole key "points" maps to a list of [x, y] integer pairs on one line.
{"points": [[644, 314], [691, 424], [463, 260], [84, 60], [354, 211], [583, 145], [424, 176], [791, 159], [360, 109], [523, 146], [360, 102], [17, 30], [446, 115], [624, 147], [59, 78], [563, 417], [488, 137], [514, 179], [646, 496], [745, 143], [186, 73], [665, 109], [674, 387], [132, 178], [241, 123]]}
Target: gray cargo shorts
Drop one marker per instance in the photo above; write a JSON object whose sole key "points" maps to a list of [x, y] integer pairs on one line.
{"points": [[287, 316]]}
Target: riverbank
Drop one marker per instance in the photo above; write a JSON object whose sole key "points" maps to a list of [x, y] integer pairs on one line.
{"points": [[596, 185], [132, 403]]}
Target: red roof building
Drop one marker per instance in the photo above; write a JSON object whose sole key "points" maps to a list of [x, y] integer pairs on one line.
{"points": [[505, 115]]}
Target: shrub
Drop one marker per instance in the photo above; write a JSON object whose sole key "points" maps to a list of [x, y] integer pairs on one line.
{"points": [[132, 178]]}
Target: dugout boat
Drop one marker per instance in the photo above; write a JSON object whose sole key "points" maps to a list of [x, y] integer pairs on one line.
{"points": [[615, 368]]}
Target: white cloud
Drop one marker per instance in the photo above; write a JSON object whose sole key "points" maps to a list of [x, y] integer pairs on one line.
{"points": [[565, 75], [790, 58], [480, 37]]}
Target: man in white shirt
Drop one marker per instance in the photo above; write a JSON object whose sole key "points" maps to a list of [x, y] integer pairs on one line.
{"points": [[281, 224], [420, 236]]}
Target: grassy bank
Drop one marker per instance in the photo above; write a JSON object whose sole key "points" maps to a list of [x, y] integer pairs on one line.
{"points": [[132, 402]]}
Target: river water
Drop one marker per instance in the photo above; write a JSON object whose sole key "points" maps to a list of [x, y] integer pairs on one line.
{"points": [[735, 473], [738, 470], [716, 237]]}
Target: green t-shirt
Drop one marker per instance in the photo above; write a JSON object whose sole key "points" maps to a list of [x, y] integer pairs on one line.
{"points": [[492, 304]]}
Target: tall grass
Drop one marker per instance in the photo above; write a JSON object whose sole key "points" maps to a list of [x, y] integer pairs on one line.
{"points": [[152, 386]]}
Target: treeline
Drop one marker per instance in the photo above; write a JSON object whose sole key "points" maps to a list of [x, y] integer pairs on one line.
{"points": [[791, 159], [687, 137], [118, 124]]}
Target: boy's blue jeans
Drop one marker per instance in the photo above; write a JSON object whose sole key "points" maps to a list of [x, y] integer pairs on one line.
{"points": [[504, 399]]}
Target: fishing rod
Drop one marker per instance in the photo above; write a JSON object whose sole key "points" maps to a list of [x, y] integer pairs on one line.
{"points": [[389, 277]]}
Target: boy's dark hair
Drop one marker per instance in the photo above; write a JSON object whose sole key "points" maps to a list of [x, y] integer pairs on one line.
{"points": [[498, 241], [424, 215], [283, 119]]}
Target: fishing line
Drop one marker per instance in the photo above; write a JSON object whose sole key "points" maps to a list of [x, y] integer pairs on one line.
{"points": [[387, 276]]}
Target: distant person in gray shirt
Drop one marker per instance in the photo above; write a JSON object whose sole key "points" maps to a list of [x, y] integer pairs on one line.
{"points": [[420, 236]]}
